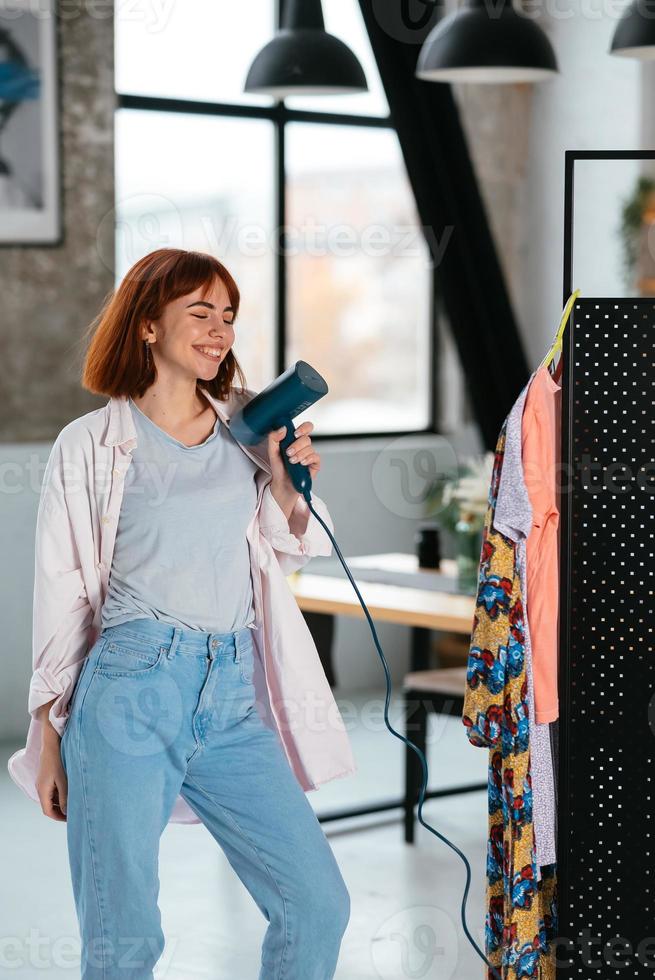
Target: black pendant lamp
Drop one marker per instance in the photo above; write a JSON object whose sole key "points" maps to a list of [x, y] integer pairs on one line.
{"points": [[634, 36], [303, 59], [476, 44]]}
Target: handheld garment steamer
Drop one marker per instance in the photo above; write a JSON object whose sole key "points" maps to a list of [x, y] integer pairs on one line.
{"points": [[277, 405]]}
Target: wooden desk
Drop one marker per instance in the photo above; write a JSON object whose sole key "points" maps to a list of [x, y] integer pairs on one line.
{"points": [[387, 603], [422, 609]]}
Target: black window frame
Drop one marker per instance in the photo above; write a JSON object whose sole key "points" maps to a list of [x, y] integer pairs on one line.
{"points": [[279, 115]]}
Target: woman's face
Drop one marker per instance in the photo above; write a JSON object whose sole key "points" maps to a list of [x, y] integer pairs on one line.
{"points": [[194, 333]]}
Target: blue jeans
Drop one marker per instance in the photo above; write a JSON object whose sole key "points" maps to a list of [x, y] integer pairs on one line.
{"points": [[159, 710]]}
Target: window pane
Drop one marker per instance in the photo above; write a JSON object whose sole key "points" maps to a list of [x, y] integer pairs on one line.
{"points": [[200, 49], [203, 183], [359, 278], [343, 18]]}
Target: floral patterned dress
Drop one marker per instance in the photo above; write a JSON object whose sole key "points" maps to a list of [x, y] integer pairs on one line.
{"points": [[521, 913]]}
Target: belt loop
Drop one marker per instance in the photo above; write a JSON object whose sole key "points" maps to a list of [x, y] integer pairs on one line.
{"points": [[177, 634]]}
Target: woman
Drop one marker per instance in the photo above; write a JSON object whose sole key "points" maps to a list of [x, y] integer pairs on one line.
{"points": [[171, 710]]}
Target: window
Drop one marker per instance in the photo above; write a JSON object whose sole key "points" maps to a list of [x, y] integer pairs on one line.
{"points": [[358, 282], [203, 183], [200, 50], [306, 201]]}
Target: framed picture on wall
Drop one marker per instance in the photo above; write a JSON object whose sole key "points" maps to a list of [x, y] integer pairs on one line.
{"points": [[29, 138]]}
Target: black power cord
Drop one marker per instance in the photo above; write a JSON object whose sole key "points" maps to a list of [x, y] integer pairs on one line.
{"points": [[424, 765]]}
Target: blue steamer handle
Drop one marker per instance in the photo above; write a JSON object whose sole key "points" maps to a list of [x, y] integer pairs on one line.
{"points": [[299, 473]]}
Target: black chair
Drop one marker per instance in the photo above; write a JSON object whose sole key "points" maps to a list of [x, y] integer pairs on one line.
{"points": [[442, 691]]}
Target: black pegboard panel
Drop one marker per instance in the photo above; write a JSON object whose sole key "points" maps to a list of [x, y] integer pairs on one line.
{"points": [[606, 913]]}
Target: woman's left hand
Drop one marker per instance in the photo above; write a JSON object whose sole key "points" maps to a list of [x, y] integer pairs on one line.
{"points": [[301, 450]]}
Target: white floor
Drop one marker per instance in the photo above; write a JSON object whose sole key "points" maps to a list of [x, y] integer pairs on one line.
{"points": [[406, 899]]}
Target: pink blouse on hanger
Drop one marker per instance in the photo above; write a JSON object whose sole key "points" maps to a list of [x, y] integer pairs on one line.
{"points": [[540, 434]]}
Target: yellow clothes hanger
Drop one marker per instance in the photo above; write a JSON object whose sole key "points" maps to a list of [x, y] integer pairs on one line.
{"points": [[557, 343]]}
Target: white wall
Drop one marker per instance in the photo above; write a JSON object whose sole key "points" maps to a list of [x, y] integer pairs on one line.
{"points": [[595, 104], [21, 473]]}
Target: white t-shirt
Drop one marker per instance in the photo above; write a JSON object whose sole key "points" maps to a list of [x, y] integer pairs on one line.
{"points": [[181, 552]]}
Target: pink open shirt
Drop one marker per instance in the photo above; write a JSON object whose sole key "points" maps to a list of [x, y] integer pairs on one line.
{"points": [[540, 448], [75, 533]]}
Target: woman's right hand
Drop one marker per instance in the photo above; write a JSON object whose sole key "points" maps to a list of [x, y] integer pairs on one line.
{"points": [[51, 781]]}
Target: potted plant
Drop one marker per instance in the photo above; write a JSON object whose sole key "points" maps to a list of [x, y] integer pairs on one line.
{"points": [[458, 505], [633, 213]]}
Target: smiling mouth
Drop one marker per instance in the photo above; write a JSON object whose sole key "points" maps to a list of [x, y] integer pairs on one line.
{"points": [[214, 353]]}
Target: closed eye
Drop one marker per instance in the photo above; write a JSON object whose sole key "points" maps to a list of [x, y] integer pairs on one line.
{"points": [[200, 316]]}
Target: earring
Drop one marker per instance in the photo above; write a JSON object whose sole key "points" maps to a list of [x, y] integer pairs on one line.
{"points": [[147, 354]]}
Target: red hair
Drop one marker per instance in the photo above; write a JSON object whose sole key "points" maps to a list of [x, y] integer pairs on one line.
{"points": [[115, 361]]}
